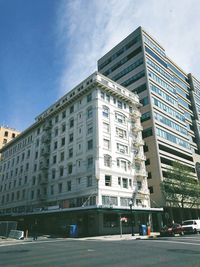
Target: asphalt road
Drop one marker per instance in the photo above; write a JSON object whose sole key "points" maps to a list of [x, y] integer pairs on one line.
{"points": [[171, 252]]}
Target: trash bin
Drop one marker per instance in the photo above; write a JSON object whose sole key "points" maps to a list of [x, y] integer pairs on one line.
{"points": [[143, 229], [73, 231]]}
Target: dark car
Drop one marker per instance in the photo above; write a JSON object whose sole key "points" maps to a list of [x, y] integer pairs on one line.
{"points": [[172, 230]]}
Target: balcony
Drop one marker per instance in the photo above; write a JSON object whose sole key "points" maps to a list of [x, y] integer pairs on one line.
{"points": [[138, 142], [140, 157], [136, 114], [45, 152], [43, 181], [46, 138], [43, 166], [137, 128], [140, 173], [47, 126]]}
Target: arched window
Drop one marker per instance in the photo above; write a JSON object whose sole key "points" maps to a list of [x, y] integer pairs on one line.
{"points": [[105, 112], [119, 117]]}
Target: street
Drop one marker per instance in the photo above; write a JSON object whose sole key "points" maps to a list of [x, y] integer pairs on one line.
{"points": [[168, 251]]}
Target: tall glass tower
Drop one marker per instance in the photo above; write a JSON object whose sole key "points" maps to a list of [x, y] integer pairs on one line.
{"points": [[170, 111]]}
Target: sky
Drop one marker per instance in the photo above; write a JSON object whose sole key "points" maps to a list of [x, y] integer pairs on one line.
{"points": [[49, 46]]}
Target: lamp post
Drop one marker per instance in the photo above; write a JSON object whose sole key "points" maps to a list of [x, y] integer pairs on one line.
{"points": [[131, 206]]}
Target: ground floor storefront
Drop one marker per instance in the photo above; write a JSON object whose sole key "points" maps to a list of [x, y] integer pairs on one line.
{"points": [[88, 222]]}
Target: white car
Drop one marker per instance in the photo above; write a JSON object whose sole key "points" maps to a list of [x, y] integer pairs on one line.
{"points": [[191, 226]]}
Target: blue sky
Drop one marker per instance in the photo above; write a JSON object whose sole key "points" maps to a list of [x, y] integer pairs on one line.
{"points": [[49, 46]]}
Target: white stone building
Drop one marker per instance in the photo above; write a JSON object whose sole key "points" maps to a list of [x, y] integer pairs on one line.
{"points": [[81, 162]]}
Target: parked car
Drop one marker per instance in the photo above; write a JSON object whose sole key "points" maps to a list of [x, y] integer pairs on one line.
{"points": [[172, 230], [191, 226]]}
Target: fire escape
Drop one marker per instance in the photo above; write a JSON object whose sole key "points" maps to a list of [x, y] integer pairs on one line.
{"points": [[44, 164]]}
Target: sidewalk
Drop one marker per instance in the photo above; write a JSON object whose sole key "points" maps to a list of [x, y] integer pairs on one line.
{"points": [[9, 241], [123, 237]]}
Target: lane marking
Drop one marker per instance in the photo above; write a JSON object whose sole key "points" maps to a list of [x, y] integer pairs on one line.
{"points": [[176, 242], [32, 242]]}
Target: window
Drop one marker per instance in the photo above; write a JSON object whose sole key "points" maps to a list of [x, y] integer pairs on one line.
{"points": [[89, 129], [125, 182], [119, 180], [144, 101], [107, 180], [36, 154], [147, 162], [13, 135], [54, 159], [71, 123], [6, 133], [149, 175], [61, 171], [146, 148], [23, 193], [56, 131], [70, 152], [69, 185], [123, 165], [122, 148], [105, 112], [151, 189], [63, 114], [4, 141], [89, 113], [145, 116], [147, 132], [71, 110], [121, 133], [119, 104], [70, 168], [62, 156], [107, 160], [63, 127], [90, 162], [102, 95], [139, 185], [52, 189], [56, 118], [27, 166], [55, 145], [106, 127], [60, 188], [63, 141], [106, 143], [71, 137], [33, 180], [28, 154], [89, 97], [107, 98], [110, 200], [53, 174], [35, 168], [90, 144], [89, 180], [120, 118]]}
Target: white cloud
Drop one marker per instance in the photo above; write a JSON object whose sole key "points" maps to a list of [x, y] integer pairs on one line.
{"points": [[90, 28]]}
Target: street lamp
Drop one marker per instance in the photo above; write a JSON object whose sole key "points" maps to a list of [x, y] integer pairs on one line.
{"points": [[131, 205]]}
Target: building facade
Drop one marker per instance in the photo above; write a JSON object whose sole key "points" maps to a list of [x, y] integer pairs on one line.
{"points": [[6, 135], [170, 110], [81, 162]]}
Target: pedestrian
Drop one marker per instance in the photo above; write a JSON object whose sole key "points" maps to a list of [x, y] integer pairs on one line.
{"points": [[35, 231]]}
